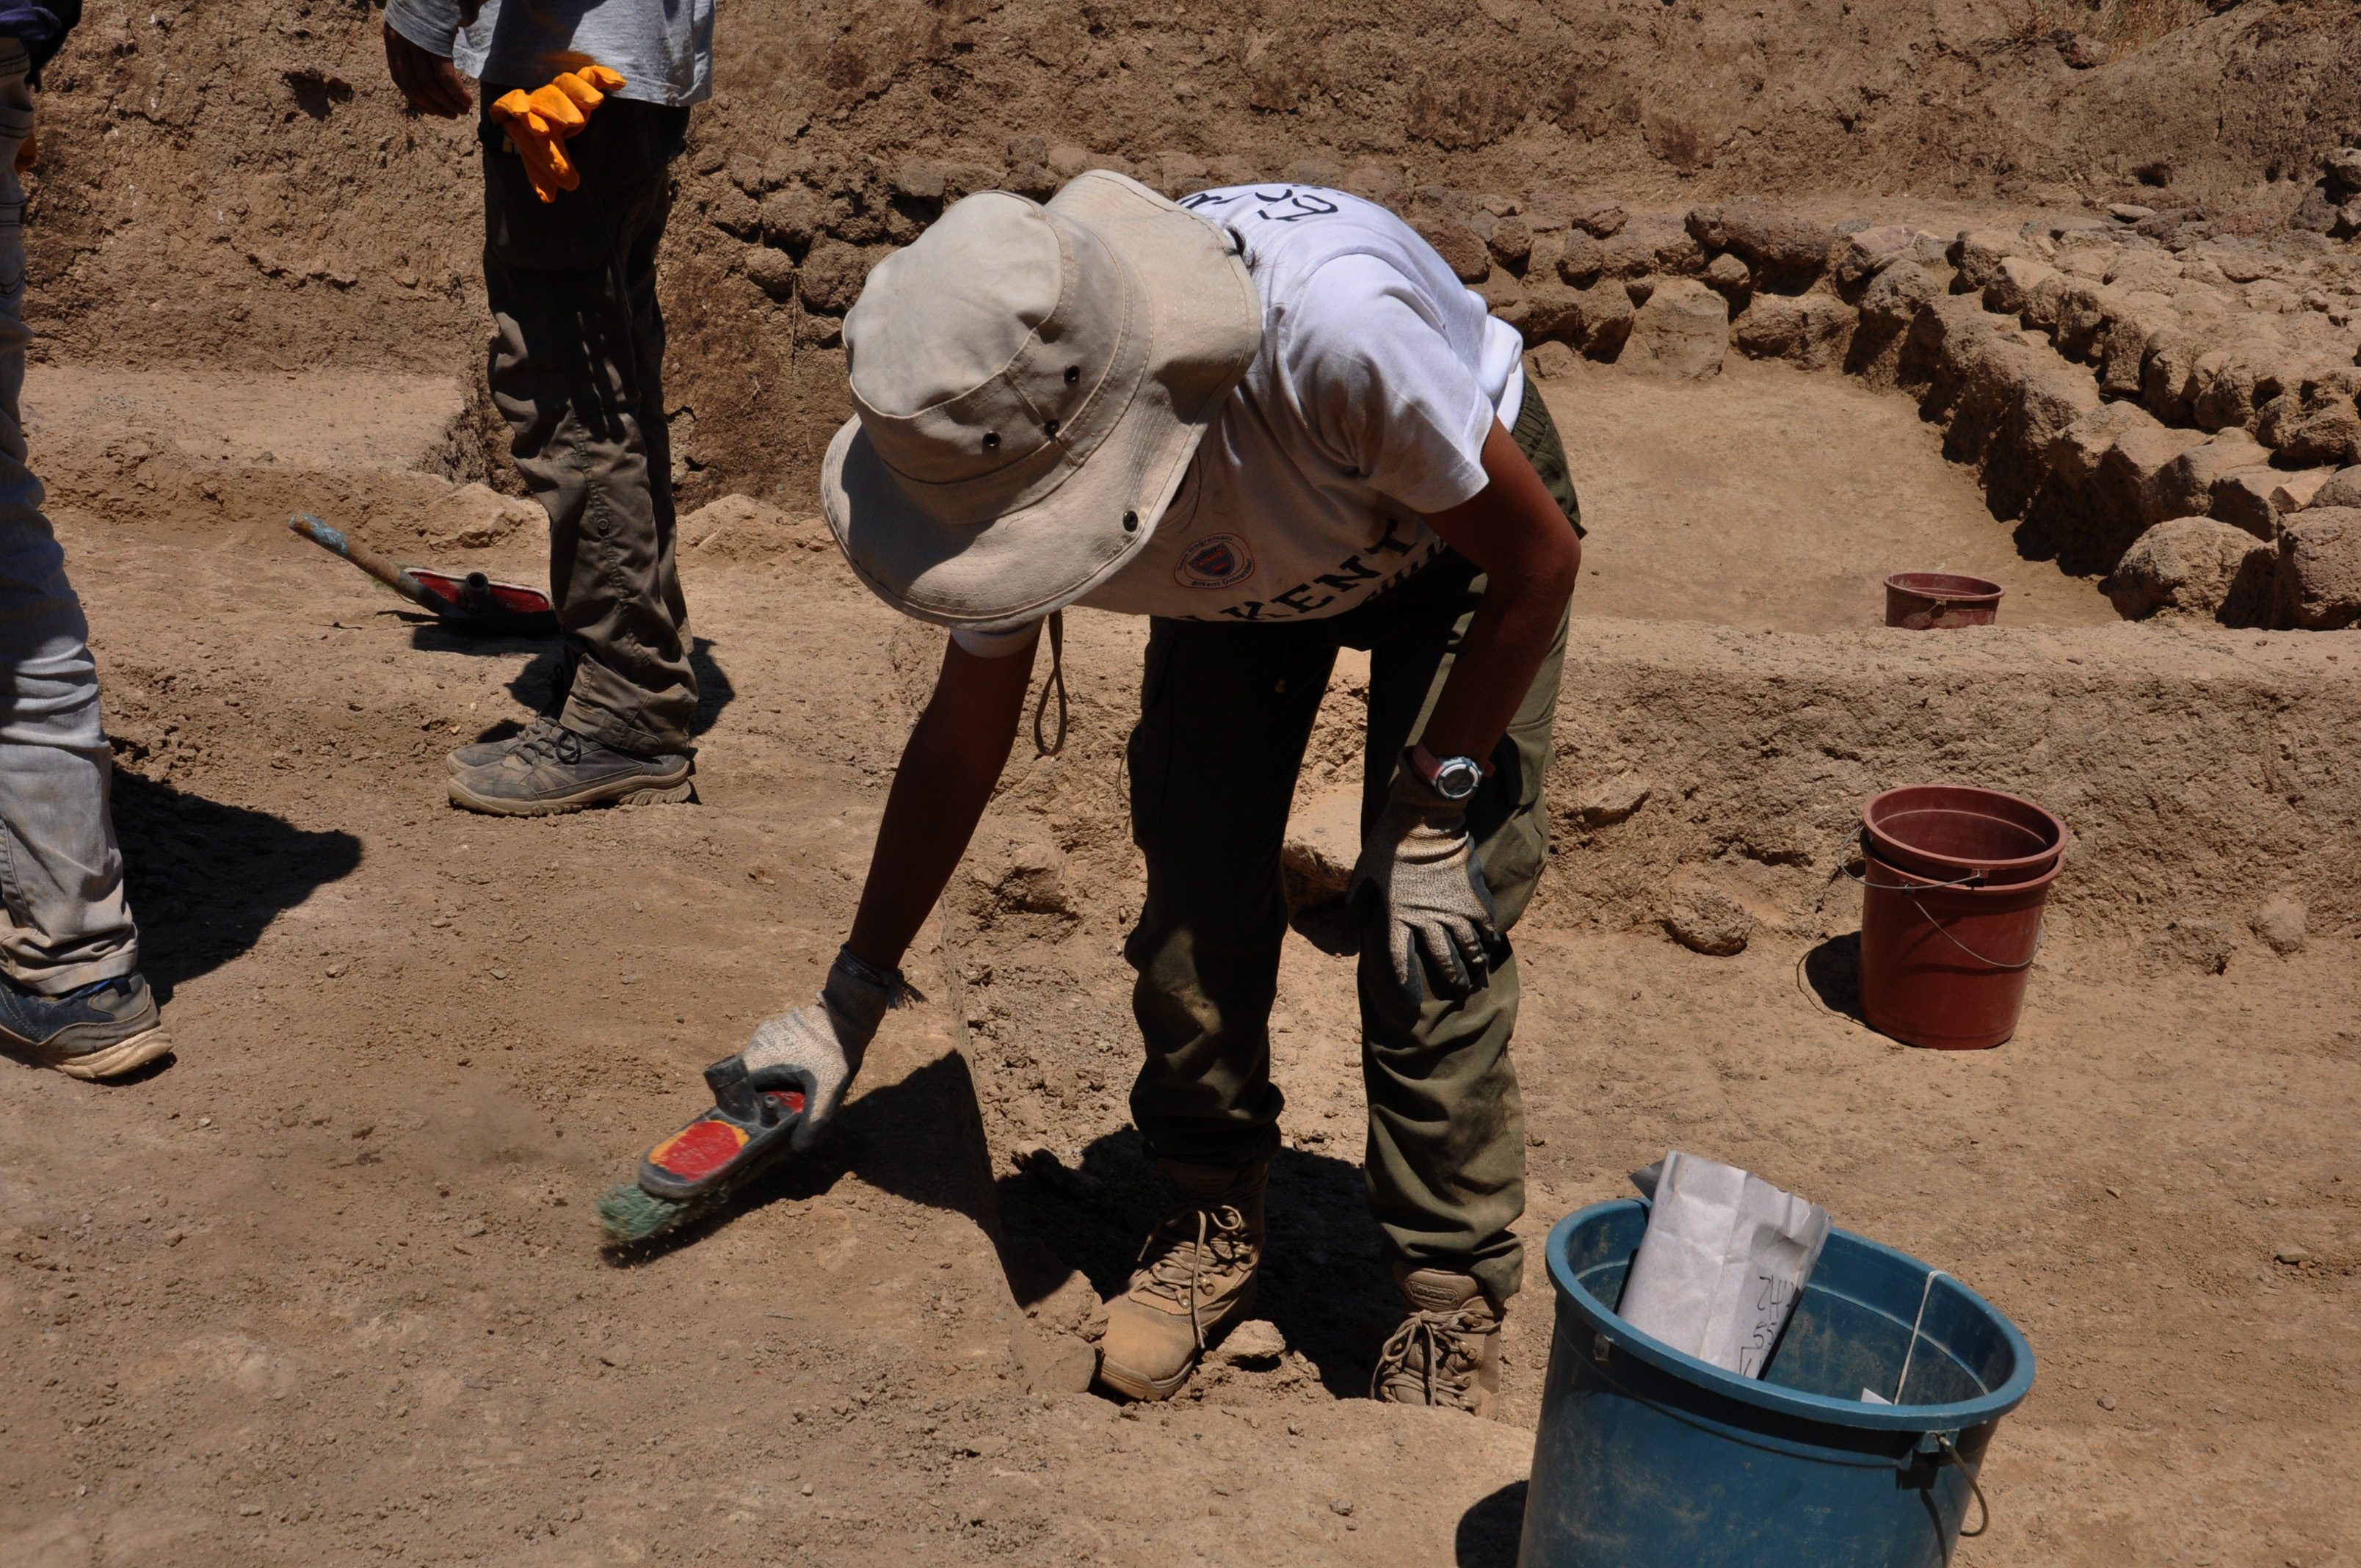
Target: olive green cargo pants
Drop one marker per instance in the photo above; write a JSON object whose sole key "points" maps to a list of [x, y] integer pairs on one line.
{"points": [[1225, 712]]}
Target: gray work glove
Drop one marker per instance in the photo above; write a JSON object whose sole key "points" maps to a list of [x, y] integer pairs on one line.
{"points": [[1419, 865], [818, 1047]]}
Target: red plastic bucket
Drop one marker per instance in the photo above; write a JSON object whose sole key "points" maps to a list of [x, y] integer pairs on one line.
{"points": [[1945, 966], [1938, 601], [1959, 833]]}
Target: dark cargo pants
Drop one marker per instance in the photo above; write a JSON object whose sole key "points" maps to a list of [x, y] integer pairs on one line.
{"points": [[1225, 712], [576, 369]]}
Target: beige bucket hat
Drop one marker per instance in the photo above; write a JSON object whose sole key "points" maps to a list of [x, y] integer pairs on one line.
{"points": [[1030, 382]]}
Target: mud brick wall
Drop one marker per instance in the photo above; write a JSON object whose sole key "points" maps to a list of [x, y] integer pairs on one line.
{"points": [[2201, 771]]}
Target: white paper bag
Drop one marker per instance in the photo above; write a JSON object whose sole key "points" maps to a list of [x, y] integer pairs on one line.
{"points": [[1724, 1260]]}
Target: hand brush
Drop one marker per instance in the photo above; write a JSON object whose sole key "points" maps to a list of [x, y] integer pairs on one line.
{"points": [[697, 1169]]}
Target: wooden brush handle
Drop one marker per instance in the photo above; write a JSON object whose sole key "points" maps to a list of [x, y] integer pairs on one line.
{"points": [[336, 542]]}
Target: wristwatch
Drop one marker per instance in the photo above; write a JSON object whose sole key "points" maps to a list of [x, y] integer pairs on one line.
{"points": [[1454, 778]]}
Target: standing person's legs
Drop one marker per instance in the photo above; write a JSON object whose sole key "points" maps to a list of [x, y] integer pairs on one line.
{"points": [[575, 367], [69, 953], [1225, 713], [1446, 1161]]}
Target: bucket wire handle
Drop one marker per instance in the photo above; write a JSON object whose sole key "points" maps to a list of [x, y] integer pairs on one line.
{"points": [[1943, 1440], [2040, 935], [1973, 880], [1984, 1508]]}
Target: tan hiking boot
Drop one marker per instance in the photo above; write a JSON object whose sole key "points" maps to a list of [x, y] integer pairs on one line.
{"points": [[1447, 1352], [1196, 1277]]}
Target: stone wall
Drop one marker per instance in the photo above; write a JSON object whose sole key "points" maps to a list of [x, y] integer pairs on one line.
{"points": [[2107, 377], [2105, 374]]}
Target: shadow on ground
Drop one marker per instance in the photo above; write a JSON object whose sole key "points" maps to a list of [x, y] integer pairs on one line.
{"points": [[1323, 1284], [1489, 1532], [1830, 975], [536, 685], [206, 879]]}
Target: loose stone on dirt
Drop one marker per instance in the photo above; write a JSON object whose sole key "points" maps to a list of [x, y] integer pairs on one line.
{"points": [[1323, 842], [1615, 800], [1551, 360], [1257, 1339], [2280, 924], [772, 271], [1707, 920]]}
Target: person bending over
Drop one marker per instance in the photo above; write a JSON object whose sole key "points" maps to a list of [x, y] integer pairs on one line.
{"points": [[1270, 419]]}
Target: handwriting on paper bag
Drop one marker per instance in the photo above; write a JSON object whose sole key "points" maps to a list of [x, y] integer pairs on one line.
{"points": [[1772, 1296]]}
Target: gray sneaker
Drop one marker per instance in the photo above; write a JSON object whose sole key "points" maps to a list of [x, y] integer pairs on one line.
{"points": [[482, 752], [103, 1030], [565, 772]]}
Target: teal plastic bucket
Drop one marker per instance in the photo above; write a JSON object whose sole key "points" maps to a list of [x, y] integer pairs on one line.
{"points": [[1650, 1458]]}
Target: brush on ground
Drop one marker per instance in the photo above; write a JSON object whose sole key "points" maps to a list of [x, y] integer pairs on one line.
{"points": [[629, 1215], [694, 1172]]}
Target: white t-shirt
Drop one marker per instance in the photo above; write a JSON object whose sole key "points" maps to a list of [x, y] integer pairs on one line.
{"points": [[1378, 379]]}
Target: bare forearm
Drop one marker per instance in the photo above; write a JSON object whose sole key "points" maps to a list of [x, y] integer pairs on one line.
{"points": [[948, 768], [1505, 645], [1531, 559]]}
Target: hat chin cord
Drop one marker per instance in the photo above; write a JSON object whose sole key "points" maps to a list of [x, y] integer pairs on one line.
{"points": [[1043, 747]]}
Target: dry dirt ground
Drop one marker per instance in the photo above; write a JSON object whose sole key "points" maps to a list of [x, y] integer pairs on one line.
{"points": [[1775, 499], [327, 1288]]}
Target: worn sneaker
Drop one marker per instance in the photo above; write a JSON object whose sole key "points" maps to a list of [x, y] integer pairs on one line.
{"points": [[562, 770], [103, 1030], [483, 751], [1196, 1277], [1447, 1352]]}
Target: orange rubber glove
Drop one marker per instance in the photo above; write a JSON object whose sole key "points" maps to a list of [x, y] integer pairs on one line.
{"points": [[539, 122], [28, 152]]}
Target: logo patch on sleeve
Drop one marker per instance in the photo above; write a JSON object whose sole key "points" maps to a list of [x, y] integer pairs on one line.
{"points": [[1216, 561]]}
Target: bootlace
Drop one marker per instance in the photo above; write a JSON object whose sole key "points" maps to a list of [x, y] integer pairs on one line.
{"points": [[1192, 1242], [1436, 1340], [556, 741]]}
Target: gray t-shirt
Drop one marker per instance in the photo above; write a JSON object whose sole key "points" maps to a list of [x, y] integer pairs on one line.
{"points": [[664, 48]]}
